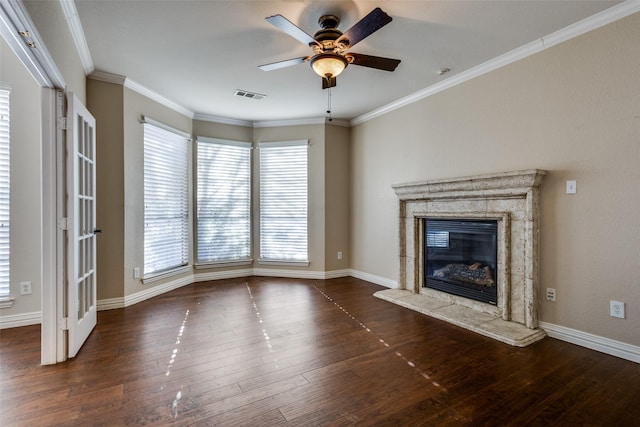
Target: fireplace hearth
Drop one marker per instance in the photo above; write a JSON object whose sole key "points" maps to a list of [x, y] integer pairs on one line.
{"points": [[469, 253]]}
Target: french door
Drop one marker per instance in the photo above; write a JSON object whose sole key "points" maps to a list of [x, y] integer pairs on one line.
{"points": [[81, 224]]}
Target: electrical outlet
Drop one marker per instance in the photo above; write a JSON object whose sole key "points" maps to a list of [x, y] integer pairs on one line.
{"points": [[551, 294], [136, 273], [25, 288], [339, 254], [616, 309]]}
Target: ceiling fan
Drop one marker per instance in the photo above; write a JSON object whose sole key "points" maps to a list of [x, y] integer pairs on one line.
{"points": [[330, 45]]}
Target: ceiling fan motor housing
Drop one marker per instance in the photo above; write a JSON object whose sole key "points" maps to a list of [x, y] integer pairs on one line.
{"points": [[327, 36]]}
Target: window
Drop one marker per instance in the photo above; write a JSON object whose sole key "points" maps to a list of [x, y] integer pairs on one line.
{"points": [[223, 201], [4, 193], [166, 199], [283, 201]]}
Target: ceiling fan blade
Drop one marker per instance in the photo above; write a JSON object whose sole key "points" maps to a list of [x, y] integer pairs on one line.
{"points": [[291, 29], [283, 64], [377, 62], [368, 25], [328, 82]]}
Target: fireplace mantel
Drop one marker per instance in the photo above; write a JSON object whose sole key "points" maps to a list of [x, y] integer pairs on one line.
{"points": [[511, 198]]}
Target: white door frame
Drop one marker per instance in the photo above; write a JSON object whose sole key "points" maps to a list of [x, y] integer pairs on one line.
{"points": [[40, 64], [53, 340]]}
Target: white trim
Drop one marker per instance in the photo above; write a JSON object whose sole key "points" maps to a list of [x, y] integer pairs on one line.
{"points": [[598, 20], [222, 120], [154, 277], [593, 342], [150, 121], [227, 274], [110, 303], [294, 274], [378, 280], [233, 143], [157, 290], [7, 302], [51, 236], [338, 122], [106, 77], [22, 319], [334, 274], [271, 144], [77, 33], [292, 122], [289, 263], [130, 84], [37, 60]]}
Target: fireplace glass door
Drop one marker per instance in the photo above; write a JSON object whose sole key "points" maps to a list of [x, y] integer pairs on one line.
{"points": [[461, 257]]}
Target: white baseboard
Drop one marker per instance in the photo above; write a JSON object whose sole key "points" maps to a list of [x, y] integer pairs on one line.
{"points": [[110, 303], [378, 280], [157, 290], [227, 274], [594, 342], [23, 319], [294, 274]]}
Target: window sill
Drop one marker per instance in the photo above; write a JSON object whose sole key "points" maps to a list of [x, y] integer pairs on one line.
{"points": [[221, 264], [283, 262], [6, 302], [165, 274]]}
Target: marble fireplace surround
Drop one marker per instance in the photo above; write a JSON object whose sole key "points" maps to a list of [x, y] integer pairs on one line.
{"points": [[511, 198]]}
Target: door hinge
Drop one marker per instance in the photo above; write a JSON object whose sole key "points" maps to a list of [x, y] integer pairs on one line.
{"points": [[63, 224], [63, 324], [62, 123]]}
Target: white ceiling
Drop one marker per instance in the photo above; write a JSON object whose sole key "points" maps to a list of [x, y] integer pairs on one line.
{"points": [[197, 53]]}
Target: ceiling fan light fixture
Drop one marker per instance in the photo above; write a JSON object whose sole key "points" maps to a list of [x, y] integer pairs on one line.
{"points": [[328, 64]]}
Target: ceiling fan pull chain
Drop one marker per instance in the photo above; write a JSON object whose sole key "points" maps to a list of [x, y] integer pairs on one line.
{"points": [[329, 97]]}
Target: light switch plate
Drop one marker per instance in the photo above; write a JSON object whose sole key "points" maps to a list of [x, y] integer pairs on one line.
{"points": [[572, 187]]}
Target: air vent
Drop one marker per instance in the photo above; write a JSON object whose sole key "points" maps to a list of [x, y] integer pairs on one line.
{"points": [[247, 94]]}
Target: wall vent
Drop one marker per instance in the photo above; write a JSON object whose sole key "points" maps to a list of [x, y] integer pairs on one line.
{"points": [[247, 94]]}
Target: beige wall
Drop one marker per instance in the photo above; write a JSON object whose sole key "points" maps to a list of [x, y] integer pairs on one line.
{"points": [[106, 102], [336, 170], [573, 110], [26, 183]]}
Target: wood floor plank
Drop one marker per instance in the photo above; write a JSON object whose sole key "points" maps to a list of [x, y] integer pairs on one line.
{"points": [[263, 351]]}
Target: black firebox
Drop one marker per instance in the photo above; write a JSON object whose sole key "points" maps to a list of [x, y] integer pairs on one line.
{"points": [[460, 257]]}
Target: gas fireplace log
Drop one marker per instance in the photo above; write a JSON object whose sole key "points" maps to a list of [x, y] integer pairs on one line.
{"points": [[474, 274]]}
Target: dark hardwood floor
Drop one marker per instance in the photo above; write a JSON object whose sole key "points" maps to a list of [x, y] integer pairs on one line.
{"points": [[275, 352]]}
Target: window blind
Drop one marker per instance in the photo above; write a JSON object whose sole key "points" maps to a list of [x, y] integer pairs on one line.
{"points": [[5, 284], [166, 200], [283, 201], [223, 200]]}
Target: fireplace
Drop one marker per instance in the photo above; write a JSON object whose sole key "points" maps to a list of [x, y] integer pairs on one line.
{"points": [[468, 251], [461, 257]]}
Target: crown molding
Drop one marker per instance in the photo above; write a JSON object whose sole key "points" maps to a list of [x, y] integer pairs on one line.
{"points": [[77, 33], [292, 122], [591, 23], [222, 120], [130, 84], [106, 77]]}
